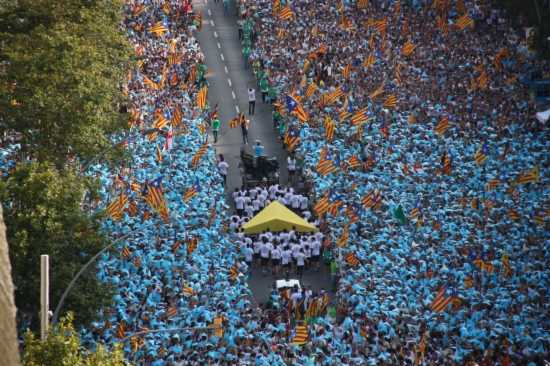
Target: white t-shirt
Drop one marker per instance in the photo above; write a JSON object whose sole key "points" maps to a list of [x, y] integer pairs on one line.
{"points": [[291, 163], [222, 167], [315, 247], [276, 253], [256, 204], [239, 203], [251, 95], [300, 259], [295, 201], [247, 251], [295, 249], [285, 256], [257, 246], [265, 249], [303, 202]]}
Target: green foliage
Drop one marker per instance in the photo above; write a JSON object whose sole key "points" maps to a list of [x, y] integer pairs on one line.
{"points": [[43, 215], [62, 347], [65, 62]]}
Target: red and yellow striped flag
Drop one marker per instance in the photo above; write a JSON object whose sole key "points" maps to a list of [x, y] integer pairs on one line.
{"points": [[300, 336], [442, 126], [369, 61], [346, 72], [311, 89], [531, 176], [322, 205], [158, 154], [286, 13], [377, 92], [352, 260], [408, 49], [391, 101], [201, 97], [199, 154], [343, 239], [158, 29], [329, 128], [177, 117], [362, 4], [464, 21], [116, 208]]}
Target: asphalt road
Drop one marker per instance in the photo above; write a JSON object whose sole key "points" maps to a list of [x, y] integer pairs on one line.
{"points": [[228, 84]]}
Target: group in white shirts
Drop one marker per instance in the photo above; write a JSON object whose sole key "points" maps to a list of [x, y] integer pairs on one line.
{"points": [[282, 251], [250, 202]]}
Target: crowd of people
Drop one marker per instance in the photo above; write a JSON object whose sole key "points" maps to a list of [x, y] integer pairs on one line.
{"points": [[430, 177], [438, 165]]}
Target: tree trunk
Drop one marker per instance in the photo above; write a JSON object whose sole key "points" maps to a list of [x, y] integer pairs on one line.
{"points": [[8, 335]]}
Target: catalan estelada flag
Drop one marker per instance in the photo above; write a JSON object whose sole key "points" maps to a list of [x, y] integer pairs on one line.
{"points": [[116, 208], [480, 156], [354, 162], [343, 239], [351, 259], [199, 154], [201, 97], [158, 29], [369, 61], [441, 300], [378, 91], [390, 102], [330, 126], [286, 13], [442, 126], [177, 117], [464, 22], [311, 89], [531, 176], [322, 206], [407, 49]]}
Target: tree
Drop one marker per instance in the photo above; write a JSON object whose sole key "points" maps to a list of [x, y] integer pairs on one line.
{"points": [[64, 64], [43, 215], [62, 347]]}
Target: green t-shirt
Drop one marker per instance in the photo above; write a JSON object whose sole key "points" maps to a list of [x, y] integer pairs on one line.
{"points": [[264, 85], [333, 268], [216, 125]]}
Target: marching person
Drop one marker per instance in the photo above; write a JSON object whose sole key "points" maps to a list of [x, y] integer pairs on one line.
{"points": [[251, 100], [223, 169], [244, 130]]}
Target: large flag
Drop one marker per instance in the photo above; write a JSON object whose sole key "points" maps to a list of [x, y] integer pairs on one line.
{"points": [[381, 26], [198, 155], [191, 192], [441, 300], [322, 205], [343, 239], [291, 140], [150, 83], [116, 208], [295, 107], [352, 260], [531, 176], [346, 72], [370, 60], [390, 102], [300, 335], [326, 166], [359, 116], [464, 21], [201, 97], [378, 91], [442, 126], [481, 155], [286, 13], [177, 117], [330, 126], [408, 49], [311, 89], [158, 29]]}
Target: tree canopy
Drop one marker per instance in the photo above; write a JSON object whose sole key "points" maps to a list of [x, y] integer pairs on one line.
{"points": [[62, 347], [64, 63], [44, 215]]}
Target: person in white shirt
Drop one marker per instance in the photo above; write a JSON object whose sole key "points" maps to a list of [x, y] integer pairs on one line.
{"points": [[300, 263], [223, 168], [249, 210], [253, 192], [276, 259], [256, 205], [239, 205], [251, 100], [315, 246], [265, 251], [286, 256], [295, 249], [295, 202], [248, 254], [296, 296], [303, 203], [291, 166]]}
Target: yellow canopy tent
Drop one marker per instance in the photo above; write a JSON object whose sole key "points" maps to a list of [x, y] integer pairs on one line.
{"points": [[276, 217]]}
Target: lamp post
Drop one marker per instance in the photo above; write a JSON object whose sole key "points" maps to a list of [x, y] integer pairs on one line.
{"points": [[84, 267]]}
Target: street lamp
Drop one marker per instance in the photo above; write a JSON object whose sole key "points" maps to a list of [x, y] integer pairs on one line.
{"points": [[84, 267]]}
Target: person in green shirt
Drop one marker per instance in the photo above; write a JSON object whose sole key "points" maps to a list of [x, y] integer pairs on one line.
{"points": [[246, 54], [272, 93], [216, 128], [276, 118], [202, 74], [264, 87]]}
